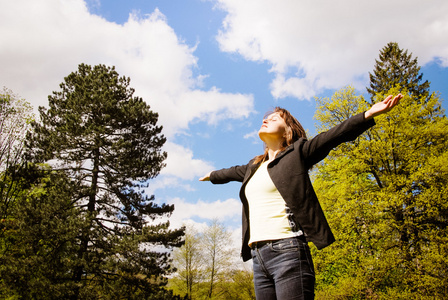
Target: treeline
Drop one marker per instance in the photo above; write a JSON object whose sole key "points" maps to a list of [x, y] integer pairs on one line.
{"points": [[75, 222]]}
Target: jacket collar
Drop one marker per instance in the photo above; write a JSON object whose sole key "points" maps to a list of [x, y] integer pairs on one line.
{"points": [[279, 155], [283, 153]]}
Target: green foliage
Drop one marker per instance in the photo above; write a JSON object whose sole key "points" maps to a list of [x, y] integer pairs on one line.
{"points": [[37, 250], [108, 142], [239, 286], [385, 197]]}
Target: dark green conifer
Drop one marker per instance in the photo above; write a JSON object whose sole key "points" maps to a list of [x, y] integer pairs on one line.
{"points": [[110, 144], [396, 67], [37, 252]]}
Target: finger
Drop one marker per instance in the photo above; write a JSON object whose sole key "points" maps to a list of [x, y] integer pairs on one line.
{"points": [[397, 98], [394, 101], [387, 99]]}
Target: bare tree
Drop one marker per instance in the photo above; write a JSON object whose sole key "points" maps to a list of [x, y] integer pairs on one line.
{"points": [[218, 252], [15, 117], [189, 261]]}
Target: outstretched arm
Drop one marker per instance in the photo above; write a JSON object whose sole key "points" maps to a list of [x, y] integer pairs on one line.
{"points": [[235, 173], [383, 106]]}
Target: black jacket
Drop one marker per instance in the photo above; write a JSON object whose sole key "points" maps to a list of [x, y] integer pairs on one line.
{"points": [[289, 173]]}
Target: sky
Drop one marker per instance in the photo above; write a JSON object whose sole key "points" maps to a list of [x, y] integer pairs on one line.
{"points": [[212, 68]]}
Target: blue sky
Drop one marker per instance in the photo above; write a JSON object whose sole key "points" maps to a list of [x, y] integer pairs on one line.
{"points": [[212, 68]]}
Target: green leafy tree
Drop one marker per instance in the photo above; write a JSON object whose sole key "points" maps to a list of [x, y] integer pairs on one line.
{"points": [[37, 253], [395, 67], [385, 198], [109, 143], [239, 285]]}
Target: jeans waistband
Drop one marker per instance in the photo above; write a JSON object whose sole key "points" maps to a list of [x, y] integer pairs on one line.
{"points": [[260, 244]]}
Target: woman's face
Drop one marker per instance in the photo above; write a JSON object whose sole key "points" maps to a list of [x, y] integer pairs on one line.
{"points": [[273, 127]]}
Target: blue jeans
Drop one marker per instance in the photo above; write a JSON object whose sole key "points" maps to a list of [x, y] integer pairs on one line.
{"points": [[283, 270]]}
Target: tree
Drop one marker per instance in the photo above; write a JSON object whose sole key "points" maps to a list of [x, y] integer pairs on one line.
{"points": [[15, 117], [204, 265], [188, 260], [108, 142], [385, 198], [218, 252], [37, 252], [239, 285], [396, 67]]}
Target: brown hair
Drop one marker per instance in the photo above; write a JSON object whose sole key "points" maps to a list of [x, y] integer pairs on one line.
{"points": [[294, 131]]}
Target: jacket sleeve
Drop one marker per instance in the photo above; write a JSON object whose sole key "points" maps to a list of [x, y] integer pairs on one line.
{"points": [[318, 147], [235, 173]]}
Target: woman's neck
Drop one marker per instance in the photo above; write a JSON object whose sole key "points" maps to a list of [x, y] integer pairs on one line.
{"points": [[273, 144], [273, 150]]}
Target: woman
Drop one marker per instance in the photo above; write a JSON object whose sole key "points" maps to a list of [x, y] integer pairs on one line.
{"points": [[281, 213]]}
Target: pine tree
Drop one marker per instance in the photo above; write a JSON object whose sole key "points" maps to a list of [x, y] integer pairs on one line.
{"points": [[109, 143], [396, 67]]}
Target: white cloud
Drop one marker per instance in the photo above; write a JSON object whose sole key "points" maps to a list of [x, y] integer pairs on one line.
{"points": [[163, 181], [326, 44], [177, 109], [220, 210], [181, 164], [253, 136], [44, 41]]}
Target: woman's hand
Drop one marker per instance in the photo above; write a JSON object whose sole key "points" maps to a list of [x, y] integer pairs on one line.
{"points": [[383, 106], [206, 177]]}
